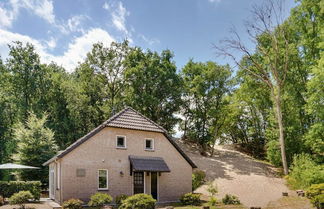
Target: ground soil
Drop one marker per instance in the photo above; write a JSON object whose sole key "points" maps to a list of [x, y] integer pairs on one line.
{"points": [[256, 183]]}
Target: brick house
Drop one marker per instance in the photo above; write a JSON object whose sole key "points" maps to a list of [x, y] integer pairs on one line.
{"points": [[127, 154]]}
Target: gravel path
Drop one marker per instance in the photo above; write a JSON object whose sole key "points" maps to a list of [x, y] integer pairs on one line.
{"points": [[255, 183]]}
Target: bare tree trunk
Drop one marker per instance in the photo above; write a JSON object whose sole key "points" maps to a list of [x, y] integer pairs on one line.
{"points": [[277, 100]]}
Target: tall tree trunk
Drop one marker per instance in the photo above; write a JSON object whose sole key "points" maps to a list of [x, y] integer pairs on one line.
{"points": [[277, 100]]}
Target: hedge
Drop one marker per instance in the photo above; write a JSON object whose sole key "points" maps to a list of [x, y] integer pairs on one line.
{"points": [[8, 188]]}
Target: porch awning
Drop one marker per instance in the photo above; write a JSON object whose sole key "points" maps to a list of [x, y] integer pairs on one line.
{"points": [[152, 164]]}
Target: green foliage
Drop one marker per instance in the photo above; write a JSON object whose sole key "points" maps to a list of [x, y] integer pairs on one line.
{"points": [[8, 188], [318, 201], [138, 201], [198, 179], [316, 194], [35, 146], [212, 201], [273, 152], [2, 202], [20, 198], [315, 189], [99, 199], [205, 88], [305, 172], [231, 200], [73, 204], [190, 199], [120, 198], [153, 86], [212, 189]]}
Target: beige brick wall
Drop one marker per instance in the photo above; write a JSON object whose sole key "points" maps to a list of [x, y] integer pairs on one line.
{"points": [[100, 152]]}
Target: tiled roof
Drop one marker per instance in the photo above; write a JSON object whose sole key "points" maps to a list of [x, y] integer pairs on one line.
{"points": [[154, 164], [128, 118]]}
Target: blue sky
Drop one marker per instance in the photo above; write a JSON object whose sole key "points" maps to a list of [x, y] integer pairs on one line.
{"points": [[63, 31]]}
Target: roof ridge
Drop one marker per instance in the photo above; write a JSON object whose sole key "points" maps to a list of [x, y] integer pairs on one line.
{"points": [[116, 115], [148, 119]]}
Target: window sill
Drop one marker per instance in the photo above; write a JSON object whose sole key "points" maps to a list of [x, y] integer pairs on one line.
{"points": [[103, 189], [149, 150], [121, 147]]}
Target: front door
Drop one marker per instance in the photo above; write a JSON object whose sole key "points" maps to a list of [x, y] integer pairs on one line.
{"points": [[154, 185], [138, 182]]}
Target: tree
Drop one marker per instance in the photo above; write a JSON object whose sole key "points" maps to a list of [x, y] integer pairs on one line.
{"points": [[153, 86], [315, 106], [35, 146], [26, 72], [205, 86], [108, 64], [270, 62], [8, 115]]}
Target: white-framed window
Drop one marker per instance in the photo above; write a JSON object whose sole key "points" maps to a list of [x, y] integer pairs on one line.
{"points": [[121, 142], [102, 179], [149, 144]]}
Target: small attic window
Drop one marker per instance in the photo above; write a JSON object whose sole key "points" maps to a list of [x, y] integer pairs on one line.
{"points": [[121, 142], [149, 144]]}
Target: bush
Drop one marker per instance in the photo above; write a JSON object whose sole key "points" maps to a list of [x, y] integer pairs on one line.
{"points": [[120, 198], [273, 153], [231, 200], [20, 198], [305, 172], [7, 189], [190, 199], [198, 179], [316, 194], [73, 204], [99, 199], [1, 200], [318, 201], [138, 201], [212, 201]]}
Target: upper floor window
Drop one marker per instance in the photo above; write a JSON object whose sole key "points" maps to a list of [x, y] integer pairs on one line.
{"points": [[121, 142], [149, 144]]}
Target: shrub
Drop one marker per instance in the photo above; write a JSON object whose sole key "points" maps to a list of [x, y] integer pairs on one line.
{"points": [[198, 179], [212, 189], [212, 201], [7, 189], [273, 153], [190, 199], [1, 200], [305, 172], [120, 198], [318, 201], [73, 204], [99, 199], [231, 200], [20, 198], [138, 201], [316, 194]]}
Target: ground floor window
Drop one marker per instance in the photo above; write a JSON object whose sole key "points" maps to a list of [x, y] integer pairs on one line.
{"points": [[102, 179]]}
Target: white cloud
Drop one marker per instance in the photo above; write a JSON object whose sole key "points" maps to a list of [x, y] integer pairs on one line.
{"points": [[6, 18], [43, 9], [214, 1], [74, 23], [106, 6], [75, 53], [51, 43], [150, 41], [118, 14], [10, 11], [78, 48]]}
